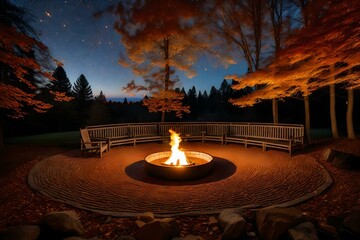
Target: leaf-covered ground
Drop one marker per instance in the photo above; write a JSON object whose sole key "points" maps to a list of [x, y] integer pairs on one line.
{"points": [[20, 205]]}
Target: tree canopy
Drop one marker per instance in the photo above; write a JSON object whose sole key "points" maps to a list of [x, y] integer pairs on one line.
{"points": [[159, 38], [332, 41], [25, 64]]}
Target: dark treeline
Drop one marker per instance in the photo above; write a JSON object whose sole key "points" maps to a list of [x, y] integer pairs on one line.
{"points": [[85, 109]]}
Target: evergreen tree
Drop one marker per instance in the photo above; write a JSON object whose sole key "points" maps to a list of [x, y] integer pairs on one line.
{"points": [[61, 82], [192, 96], [101, 98], [205, 95], [225, 90], [82, 90]]}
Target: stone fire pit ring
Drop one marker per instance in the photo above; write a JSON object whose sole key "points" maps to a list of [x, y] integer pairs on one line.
{"points": [[179, 173]]}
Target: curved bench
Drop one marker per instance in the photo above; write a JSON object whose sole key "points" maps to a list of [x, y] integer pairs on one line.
{"points": [[280, 136]]}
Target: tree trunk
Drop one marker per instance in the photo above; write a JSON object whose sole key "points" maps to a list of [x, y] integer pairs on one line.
{"points": [[334, 128], [349, 115], [307, 119], [275, 111], [167, 72]]}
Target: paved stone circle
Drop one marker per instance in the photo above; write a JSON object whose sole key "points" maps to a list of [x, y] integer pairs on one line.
{"points": [[117, 184]]}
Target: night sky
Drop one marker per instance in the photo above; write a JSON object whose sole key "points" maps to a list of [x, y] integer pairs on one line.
{"points": [[90, 46]]}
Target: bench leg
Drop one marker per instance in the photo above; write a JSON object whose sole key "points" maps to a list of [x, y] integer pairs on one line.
{"points": [[264, 147]]}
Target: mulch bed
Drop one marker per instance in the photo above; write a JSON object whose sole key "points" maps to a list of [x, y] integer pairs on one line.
{"points": [[20, 205]]}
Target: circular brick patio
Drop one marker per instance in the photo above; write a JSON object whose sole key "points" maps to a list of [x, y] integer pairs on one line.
{"points": [[117, 185]]}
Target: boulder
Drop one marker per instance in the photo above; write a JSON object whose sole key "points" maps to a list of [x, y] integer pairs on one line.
{"points": [[335, 221], [158, 230], [212, 220], [26, 232], [232, 223], [346, 161], [328, 154], [303, 231], [146, 217], [352, 221], [139, 223], [273, 223], [61, 225]]}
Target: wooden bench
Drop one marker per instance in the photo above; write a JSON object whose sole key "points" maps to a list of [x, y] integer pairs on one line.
{"points": [[92, 145], [284, 137], [116, 134], [215, 132], [281, 136], [145, 133]]}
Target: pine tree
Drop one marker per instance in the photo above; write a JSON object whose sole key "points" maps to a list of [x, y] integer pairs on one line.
{"points": [[101, 98], [61, 82], [82, 90]]}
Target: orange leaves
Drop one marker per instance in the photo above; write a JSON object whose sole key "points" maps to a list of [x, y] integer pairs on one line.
{"points": [[322, 53], [61, 96], [167, 101], [23, 63]]}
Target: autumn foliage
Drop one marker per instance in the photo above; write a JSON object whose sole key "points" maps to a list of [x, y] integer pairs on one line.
{"points": [[315, 56], [24, 64]]}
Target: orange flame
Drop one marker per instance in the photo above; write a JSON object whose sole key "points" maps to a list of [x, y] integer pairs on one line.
{"points": [[177, 157]]}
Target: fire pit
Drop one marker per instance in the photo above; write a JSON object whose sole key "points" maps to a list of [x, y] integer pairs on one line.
{"points": [[177, 164]]}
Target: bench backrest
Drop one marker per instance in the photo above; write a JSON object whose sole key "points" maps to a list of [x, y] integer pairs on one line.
{"points": [[143, 130], [85, 137], [109, 131], [257, 130], [275, 132]]}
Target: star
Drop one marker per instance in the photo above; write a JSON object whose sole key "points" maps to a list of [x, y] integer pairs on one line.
{"points": [[47, 13]]}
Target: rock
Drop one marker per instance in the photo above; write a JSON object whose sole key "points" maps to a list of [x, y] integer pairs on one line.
{"points": [[212, 220], [26, 232], [139, 223], [325, 235], [328, 154], [273, 223], [146, 217], [352, 221], [125, 238], [303, 231], [232, 223], [346, 161], [335, 221], [158, 230], [309, 218], [61, 224], [327, 228], [251, 234]]}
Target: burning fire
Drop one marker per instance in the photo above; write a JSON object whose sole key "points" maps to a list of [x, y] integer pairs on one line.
{"points": [[177, 157]]}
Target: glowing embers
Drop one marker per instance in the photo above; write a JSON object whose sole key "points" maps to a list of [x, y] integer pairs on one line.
{"points": [[177, 164]]}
